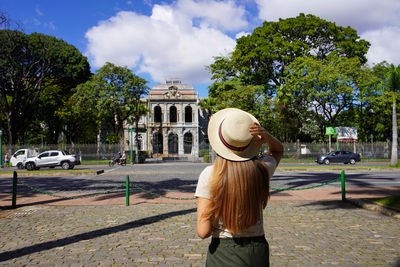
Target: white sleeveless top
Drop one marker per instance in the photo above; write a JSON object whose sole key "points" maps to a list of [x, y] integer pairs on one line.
{"points": [[203, 190]]}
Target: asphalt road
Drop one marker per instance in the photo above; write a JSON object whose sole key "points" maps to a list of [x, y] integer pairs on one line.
{"points": [[181, 176]]}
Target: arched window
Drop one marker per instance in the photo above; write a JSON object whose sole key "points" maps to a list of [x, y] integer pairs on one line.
{"points": [[188, 114], [157, 114], [188, 143], [157, 143], [172, 143], [172, 114]]}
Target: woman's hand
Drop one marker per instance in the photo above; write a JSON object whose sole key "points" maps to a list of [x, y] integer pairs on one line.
{"points": [[262, 136], [259, 133]]}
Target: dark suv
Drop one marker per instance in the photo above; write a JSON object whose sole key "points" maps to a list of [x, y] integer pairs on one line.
{"points": [[339, 157], [52, 159]]}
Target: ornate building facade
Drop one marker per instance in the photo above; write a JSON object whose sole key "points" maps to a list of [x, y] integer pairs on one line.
{"points": [[174, 125]]}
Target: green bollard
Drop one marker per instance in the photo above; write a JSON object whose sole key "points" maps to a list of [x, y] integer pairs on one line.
{"points": [[14, 193], [127, 190], [343, 182]]}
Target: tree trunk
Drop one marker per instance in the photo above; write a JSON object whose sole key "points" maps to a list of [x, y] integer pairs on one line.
{"points": [[298, 149], [394, 158], [10, 131], [12, 128], [137, 140]]}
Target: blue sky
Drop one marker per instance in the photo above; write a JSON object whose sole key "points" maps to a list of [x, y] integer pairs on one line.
{"points": [[163, 39]]}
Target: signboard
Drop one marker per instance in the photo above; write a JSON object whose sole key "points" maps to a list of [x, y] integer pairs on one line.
{"points": [[346, 134], [330, 131]]}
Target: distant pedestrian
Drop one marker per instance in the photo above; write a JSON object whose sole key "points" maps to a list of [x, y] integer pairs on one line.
{"points": [[6, 160], [233, 192], [123, 157], [118, 157]]}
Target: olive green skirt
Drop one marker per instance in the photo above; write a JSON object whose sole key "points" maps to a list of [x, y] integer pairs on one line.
{"points": [[245, 251]]}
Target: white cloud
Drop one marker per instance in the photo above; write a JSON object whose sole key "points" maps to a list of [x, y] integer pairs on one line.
{"points": [[38, 11], [226, 15], [385, 45], [180, 39], [241, 34], [50, 25], [375, 21], [175, 41], [359, 14]]}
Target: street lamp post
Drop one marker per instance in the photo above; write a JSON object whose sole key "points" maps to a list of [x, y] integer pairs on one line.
{"points": [[130, 131], [1, 149]]}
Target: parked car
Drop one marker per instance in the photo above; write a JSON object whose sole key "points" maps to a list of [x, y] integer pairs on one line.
{"points": [[52, 158], [339, 157], [20, 156]]}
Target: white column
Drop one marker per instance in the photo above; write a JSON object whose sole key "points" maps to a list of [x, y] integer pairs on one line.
{"points": [[180, 142]]}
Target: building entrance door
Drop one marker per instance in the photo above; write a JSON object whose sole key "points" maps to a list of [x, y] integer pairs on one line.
{"points": [[172, 144], [188, 142], [157, 143]]}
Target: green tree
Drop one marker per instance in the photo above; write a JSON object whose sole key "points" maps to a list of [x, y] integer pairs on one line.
{"points": [[233, 93], [368, 112], [112, 95], [113, 138], [262, 57], [29, 65], [320, 89], [63, 121], [209, 105], [236, 94], [80, 124], [139, 110]]}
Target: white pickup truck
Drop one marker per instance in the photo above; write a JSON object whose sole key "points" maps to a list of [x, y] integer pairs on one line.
{"points": [[52, 158], [19, 157]]}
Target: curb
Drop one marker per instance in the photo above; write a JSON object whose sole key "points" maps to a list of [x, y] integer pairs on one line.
{"points": [[60, 173], [373, 206], [319, 169]]}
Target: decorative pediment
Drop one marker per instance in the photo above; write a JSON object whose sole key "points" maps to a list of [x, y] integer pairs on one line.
{"points": [[173, 92]]}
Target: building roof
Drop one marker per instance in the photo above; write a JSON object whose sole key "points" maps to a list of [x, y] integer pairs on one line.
{"points": [[164, 88]]}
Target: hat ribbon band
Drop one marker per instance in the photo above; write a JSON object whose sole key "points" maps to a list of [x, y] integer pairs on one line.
{"points": [[235, 148]]}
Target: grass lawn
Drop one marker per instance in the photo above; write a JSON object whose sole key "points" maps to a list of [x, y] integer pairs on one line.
{"points": [[312, 160], [333, 167], [95, 162], [392, 201], [46, 170]]}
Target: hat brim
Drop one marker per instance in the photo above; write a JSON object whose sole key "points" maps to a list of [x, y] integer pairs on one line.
{"points": [[223, 151]]}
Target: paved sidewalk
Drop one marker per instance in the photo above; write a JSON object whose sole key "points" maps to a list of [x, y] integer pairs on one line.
{"points": [[300, 233]]}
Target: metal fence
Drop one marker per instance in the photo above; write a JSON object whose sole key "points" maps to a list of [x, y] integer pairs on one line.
{"points": [[86, 151], [379, 150]]}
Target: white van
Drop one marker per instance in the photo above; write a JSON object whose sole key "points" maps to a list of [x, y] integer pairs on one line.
{"points": [[19, 157]]}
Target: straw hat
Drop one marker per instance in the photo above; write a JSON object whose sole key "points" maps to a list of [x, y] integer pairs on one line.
{"points": [[228, 132]]}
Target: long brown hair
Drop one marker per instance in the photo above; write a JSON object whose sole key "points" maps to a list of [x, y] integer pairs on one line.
{"points": [[239, 191]]}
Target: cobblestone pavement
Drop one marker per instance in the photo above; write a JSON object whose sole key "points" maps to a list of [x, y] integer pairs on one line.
{"points": [[300, 233]]}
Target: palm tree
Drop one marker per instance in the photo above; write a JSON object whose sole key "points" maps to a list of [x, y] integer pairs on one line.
{"points": [[139, 110], [209, 104], [393, 84]]}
